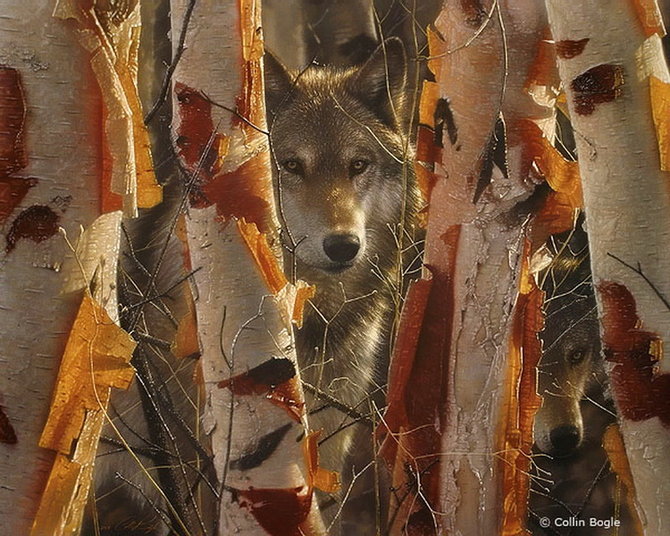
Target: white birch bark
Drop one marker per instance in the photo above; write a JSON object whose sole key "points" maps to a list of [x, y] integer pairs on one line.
{"points": [[627, 204], [494, 69], [474, 246], [242, 323], [62, 147]]}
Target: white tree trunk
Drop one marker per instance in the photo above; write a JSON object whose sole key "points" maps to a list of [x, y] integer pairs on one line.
{"points": [[61, 145], [612, 69], [254, 410], [474, 247]]}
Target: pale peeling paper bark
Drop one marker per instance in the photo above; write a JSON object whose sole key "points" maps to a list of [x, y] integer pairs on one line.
{"points": [[113, 49], [241, 323], [205, 67], [92, 266], [94, 259], [489, 246], [627, 203], [62, 148]]}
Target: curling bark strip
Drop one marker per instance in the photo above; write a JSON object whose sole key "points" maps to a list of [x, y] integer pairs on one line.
{"points": [[110, 34], [50, 177], [266, 464], [473, 253], [621, 143]]}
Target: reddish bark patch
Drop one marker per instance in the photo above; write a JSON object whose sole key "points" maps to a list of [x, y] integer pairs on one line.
{"points": [[420, 364], [426, 149], [639, 391], [38, 223], [12, 120], [474, 12], [279, 511], [197, 142], [275, 379], [7, 434], [568, 49], [599, 84], [12, 142], [237, 193], [12, 192]]}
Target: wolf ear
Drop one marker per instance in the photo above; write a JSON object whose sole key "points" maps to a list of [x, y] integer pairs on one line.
{"points": [[380, 82], [278, 83]]}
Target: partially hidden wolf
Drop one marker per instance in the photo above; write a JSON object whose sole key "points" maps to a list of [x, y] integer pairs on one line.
{"points": [[571, 365], [347, 202]]}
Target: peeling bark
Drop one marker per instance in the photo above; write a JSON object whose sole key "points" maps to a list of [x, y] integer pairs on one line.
{"points": [[49, 177], [447, 453], [611, 87], [245, 306]]}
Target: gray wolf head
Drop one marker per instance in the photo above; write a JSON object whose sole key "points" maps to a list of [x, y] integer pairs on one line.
{"points": [[338, 155], [571, 361]]}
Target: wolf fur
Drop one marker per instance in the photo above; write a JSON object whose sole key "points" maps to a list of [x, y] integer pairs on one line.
{"points": [[571, 364], [341, 171]]}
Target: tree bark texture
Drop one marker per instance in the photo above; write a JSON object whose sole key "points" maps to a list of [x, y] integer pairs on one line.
{"points": [[265, 462], [615, 78]]}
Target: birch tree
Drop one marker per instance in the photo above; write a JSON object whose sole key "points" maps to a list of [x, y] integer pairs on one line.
{"points": [[265, 463], [454, 338], [615, 77], [54, 181]]}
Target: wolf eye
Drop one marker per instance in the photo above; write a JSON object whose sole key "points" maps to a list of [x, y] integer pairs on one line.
{"points": [[577, 356], [358, 166], [293, 166]]}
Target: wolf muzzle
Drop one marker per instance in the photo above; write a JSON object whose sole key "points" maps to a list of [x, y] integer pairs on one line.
{"points": [[341, 248]]}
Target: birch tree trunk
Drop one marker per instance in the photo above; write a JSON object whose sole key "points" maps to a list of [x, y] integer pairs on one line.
{"points": [[265, 463], [447, 448], [49, 178], [615, 77]]}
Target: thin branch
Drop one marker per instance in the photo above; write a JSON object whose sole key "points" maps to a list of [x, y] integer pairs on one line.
{"points": [[639, 272], [173, 65]]}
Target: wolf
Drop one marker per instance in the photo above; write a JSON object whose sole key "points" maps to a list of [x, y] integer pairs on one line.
{"points": [[347, 200], [571, 365]]}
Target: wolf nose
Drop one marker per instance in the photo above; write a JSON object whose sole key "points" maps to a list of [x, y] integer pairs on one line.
{"points": [[564, 440], [341, 247]]}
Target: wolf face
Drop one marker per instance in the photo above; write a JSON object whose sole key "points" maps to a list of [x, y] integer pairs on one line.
{"points": [[338, 155], [571, 362], [346, 195]]}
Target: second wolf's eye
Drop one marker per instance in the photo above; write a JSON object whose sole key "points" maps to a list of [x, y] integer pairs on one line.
{"points": [[358, 166], [293, 166], [577, 356]]}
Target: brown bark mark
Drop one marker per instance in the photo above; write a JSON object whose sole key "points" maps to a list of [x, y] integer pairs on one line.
{"points": [[426, 148], [640, 392], [568, 49], [12, 120], [276, 380], [13, 155], [7, 433], [599, 84], [261, 451], [238, 193], [38, 223], [421, 364], [196, 139], [444, 117], [279, 511], [474, 12]]}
